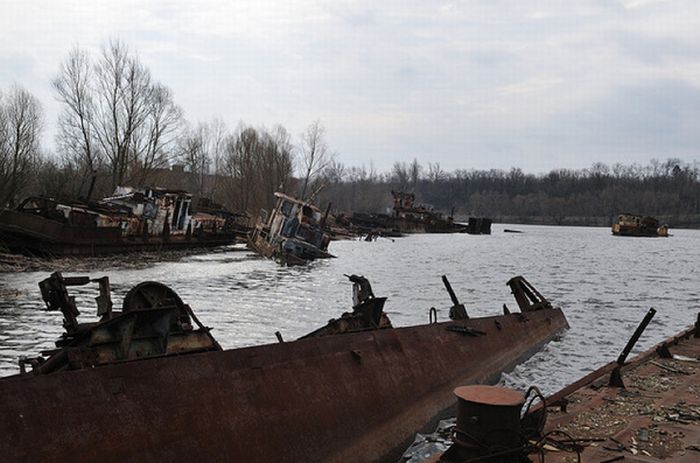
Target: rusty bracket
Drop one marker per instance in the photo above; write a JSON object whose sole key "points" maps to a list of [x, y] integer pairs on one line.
{"points": [[663, 352]]}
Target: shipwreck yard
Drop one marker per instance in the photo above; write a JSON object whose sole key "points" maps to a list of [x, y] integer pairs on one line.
{"points": [[247, 299]]}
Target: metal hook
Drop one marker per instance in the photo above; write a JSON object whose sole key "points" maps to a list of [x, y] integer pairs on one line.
{"points": [[432, 315]]}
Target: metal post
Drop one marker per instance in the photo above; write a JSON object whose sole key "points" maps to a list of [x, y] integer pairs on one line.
{"points": [[616, 375], [635, 337]]}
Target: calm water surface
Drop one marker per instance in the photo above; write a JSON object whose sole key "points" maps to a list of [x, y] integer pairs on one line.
{"points": [[605, 285]]}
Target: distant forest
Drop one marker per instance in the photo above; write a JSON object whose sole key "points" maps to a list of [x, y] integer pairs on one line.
{"points": [[669, 190], [118, 125]]}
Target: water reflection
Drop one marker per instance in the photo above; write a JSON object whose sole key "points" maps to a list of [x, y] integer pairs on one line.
{"points": [[605, 284]]}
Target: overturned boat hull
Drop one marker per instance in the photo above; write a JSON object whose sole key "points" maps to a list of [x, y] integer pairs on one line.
{"points": [[350, 397]]}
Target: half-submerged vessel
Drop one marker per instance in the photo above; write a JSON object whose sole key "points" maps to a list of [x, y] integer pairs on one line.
{"points": [[293, 233], [409, 217], [635, 225], [149, 382], [147, 219]]}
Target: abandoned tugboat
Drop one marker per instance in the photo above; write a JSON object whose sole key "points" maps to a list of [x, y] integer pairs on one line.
{"points": [[143, 384], [634, 225], [407, 217], [293, 234], [131, 220]]}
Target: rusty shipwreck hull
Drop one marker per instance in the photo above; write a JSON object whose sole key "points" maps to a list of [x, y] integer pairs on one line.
{"points": [[35, 235], [351, 397]]}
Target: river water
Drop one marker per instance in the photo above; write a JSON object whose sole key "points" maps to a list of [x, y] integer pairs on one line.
{"points": [[605, 285]]}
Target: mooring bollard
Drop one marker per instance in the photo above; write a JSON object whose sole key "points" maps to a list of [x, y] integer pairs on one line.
{"points": [[488, 425]]}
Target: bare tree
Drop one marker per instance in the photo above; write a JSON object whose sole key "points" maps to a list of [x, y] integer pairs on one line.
{"points": [[4, 148], [76, 138], [275, 166], [314, 154], [200, 149], [257, 163], [241, 151], [123, 94], [400, 175], [152, 141], [435, 172], [114, 111], [415, 173], [218, 131], [20, 129]]}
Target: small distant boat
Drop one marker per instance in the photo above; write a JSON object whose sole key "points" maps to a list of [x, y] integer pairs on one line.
{"points": [[635, 225], [508, 230], [293, 234]]}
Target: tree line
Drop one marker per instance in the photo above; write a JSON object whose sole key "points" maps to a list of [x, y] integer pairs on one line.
{"points": [[119, 125], [593, 196]]}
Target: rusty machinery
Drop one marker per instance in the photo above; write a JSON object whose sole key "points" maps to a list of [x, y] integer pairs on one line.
{"points": [[153, 322]]}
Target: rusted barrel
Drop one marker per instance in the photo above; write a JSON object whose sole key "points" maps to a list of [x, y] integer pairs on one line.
{"points": [[488, 424]]}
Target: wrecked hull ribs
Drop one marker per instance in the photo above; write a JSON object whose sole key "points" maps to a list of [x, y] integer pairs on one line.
{"points": [[133, 220], [356, 396]]}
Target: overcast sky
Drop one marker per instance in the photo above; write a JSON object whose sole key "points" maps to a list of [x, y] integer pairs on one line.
{"points": [[473, 84]]}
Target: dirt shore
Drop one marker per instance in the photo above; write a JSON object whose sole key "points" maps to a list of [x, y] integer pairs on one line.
{"points": [[20, 263]]}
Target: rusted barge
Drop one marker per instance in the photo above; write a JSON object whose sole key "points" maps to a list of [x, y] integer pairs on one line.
{"points": [[635, 225], [647, 410], [148, 219], [639, 411], [357, 391]]}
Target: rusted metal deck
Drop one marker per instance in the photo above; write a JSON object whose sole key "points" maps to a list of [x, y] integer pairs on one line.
{"points": [[654, 417], [352, 397]]}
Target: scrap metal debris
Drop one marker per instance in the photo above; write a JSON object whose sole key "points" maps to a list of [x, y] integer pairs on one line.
{"points": [[153, 322], [426, 446]]}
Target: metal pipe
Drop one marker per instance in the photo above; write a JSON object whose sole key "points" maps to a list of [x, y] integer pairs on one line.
{"points": [[455, 301], [635, 337]]}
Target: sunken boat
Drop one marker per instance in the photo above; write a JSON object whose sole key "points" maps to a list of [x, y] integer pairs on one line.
{"points": [[409, 217], [150, 219], [150, 383], [635, 225], [294, 233]]}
